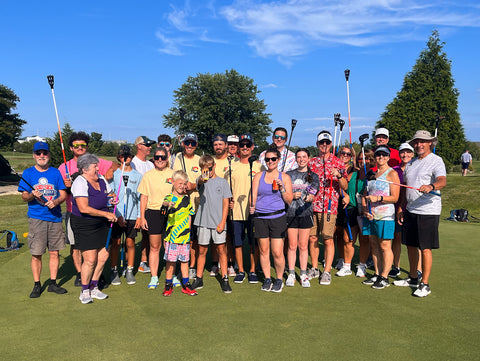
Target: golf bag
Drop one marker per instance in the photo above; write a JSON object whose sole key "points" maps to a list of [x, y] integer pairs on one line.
{"points": [[11, 240], [5, 168]]}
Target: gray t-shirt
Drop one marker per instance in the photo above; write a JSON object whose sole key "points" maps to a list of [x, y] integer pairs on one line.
{"points": [[212, 194], [421, 172]]}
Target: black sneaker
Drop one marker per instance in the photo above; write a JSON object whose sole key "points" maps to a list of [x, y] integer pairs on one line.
{"points": [[370, 281], [239, 277], [197, 283], [53, 287], [394, 272], [267, 285], [78, 280], [225, 285], [36, 292], [381, 283]]}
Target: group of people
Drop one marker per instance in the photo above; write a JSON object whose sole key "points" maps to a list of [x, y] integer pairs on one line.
{"points": [[280, 203]]}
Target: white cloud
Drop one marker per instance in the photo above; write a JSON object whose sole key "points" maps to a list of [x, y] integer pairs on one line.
{"points": [[271, 85]]}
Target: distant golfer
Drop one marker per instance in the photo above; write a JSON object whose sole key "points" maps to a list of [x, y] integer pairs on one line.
{"points": [[421, 215], [44, 219], [466, 159]]}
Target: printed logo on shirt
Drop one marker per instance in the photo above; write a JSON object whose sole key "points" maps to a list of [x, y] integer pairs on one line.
{"points": [[225, 169], [195, 169], [169, 181], [48, 190]]}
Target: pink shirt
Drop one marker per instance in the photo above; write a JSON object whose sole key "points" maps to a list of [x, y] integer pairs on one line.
{"points": [[103, 166]]}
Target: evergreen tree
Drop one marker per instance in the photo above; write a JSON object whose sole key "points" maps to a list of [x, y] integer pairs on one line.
{"points": [[427, 94], [10, 123], [218, 103]]}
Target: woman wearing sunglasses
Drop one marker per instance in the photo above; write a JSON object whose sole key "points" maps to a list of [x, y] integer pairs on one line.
{"points": [[271, 191], [153, 188]]}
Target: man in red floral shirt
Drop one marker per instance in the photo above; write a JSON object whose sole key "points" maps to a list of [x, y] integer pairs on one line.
{"points": [[331, 172]]}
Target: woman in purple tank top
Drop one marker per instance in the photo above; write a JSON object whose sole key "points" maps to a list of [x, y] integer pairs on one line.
{"points": [[271, 191]]}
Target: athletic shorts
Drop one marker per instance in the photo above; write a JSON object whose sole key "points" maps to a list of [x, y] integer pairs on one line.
{"points": [[152, 217], [69, 237], [465, 165], [240, 230], [177, 252], [207, 234], [43, 235], [323, 227], [90, 233], [381, 229], [271, 227], [193, 231], [300, 222], [342, 217], [420, 230], [129, 230]]}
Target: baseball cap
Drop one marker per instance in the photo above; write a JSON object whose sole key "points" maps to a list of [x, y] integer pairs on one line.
{"points": [[246, 137], [219, 138], [124, 150], [382, 149], [41, 146], [404, 146], [382, 131], [232, 138], [144, 140], [324, 136], [190, 136]]}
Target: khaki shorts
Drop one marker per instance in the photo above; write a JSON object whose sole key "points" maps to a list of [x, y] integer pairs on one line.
{"points": [[43, 235], [323, 227]]}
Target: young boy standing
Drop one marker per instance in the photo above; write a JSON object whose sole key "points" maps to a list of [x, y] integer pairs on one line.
{"points": [[211, 219], [177, 240], [129, 206]]}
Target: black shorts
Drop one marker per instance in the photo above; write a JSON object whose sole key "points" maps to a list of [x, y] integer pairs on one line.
{"points": [[270, 228], [129, 230], [153, 219], [300, 222], [342, 217], [465, 165], [420, 230], [240, 228], [90, 233]]}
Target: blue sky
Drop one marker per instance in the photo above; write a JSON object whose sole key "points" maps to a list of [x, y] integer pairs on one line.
{"points": [[117, 63]]}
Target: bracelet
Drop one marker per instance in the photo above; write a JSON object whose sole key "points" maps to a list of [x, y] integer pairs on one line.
{"points": [[381, 198], [433, 186], [283, 190]]}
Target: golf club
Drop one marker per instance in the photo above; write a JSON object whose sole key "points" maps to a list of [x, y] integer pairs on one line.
{"points": [[109, 236], [230, 211], [440, 118], [362, 140], [28, 184], [350, 237], [371, 177], [125, 182], [336, 117], [294, 124], [341, 122], [251, 159], [51, 83], [347, 75]]}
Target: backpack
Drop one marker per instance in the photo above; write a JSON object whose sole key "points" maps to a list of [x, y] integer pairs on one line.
{"points": [[458, 215], [11, 240]]}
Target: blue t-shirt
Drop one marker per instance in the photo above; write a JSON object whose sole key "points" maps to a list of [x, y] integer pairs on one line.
{"points": [[49, 183], [133, 197]]}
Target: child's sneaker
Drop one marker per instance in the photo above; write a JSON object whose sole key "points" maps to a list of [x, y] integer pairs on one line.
{"points": [[153, 283], [143, 268], [188, 290], [167, 291], [176, 282]]}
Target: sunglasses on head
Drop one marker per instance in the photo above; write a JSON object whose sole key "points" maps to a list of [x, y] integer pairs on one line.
{"points": [[160, 156], [41, 152], [327, 142], [166, 144], [346, 153], [272, 159], [245, 145], [79, 145], [282, 137], [190, 143]]}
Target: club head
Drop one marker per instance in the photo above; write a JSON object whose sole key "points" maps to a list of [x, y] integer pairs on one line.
{"points": [[50, 80], [252, 159], [336, 118], [125, 179], [230, 158], [347, 74], [294, 123], [341, 122], [363, 138]]}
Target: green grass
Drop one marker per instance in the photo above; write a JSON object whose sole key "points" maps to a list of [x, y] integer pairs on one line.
{"points": [[344, 321]]}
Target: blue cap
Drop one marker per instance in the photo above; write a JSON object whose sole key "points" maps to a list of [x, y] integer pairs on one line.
{"points": [[41, 146], [246, 136], [219, 138]]}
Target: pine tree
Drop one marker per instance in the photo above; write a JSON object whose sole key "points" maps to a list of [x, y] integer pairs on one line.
{"points": [[427, 94]]}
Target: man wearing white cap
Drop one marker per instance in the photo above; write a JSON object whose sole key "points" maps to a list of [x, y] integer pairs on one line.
{"points": [[419, 210], [331, 172], [381, 138], [232, 148]]}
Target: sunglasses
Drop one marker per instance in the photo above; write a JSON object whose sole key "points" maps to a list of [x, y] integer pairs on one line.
{"points": [[381, 155], [282, 137], [190, 143], [41, 152], [167, 144], [245, 145], [159, 156], [145, 145], [272, 159], [79, 145], [346, 153], [327, 142]]}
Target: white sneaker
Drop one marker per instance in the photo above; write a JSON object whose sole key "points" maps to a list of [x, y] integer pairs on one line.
{"points": [[406, 282], [344, 272], [339, 265], [361, 270], [231, 271], [422, 291], [290, 280], [326, 279], [313, 273], [99, 295], [305, 281], [85, 297]]}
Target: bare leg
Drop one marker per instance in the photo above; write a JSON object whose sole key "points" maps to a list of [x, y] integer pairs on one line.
{"points": [[53, 264], [36, 265]]}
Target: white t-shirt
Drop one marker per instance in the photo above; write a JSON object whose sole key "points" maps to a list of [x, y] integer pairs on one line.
{"points": [[141, 166], [421, 172]]}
